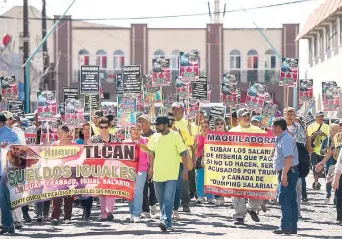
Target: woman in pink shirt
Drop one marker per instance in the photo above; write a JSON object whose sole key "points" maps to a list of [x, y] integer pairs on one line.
{"points": [[199, 142], [135, 207]]}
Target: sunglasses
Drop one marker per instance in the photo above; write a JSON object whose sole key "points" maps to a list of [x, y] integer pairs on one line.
{"points": [[103, 127], [219, 123]]}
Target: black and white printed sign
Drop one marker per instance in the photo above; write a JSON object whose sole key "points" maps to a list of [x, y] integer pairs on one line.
{"points": [[119, 85], [70, 93], [215, 112], [90, 80], [131, 79], [16, 107], [95, 103], [200, 89]]}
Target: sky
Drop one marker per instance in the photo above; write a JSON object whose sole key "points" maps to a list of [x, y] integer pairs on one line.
{"points": [[270, 17], [263, 18]]}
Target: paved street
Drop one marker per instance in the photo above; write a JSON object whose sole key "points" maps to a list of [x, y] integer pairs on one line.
{"points": [[203, 222]]}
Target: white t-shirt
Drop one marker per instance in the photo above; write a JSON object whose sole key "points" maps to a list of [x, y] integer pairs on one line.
{"points": [[21, 135]]}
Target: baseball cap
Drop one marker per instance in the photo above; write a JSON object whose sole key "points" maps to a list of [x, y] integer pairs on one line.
{"points": [[145, 117], [320, 113], [177, 105], [256, 118], [161, 120], [288, 109], [242, 112], [171, 116], [8, 114]]}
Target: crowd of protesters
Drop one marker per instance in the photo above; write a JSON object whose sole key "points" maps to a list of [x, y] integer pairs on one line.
{"points": [[170, 171]]}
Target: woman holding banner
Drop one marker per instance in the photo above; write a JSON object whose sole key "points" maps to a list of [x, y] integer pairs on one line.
{"points": [[135, 207], [83, 138], [199, 142], [107, 203], [63, 139]]}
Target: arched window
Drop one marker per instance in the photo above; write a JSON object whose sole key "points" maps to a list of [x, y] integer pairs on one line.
{"points": [[119, 60], [83, 57], [252, 65], [270, 66], [235, 64], [101, 59], [159, 54]]}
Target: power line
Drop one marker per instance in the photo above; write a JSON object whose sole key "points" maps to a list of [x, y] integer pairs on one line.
{"points": [[168, 16]]}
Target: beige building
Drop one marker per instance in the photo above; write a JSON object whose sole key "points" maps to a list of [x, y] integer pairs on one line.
{"points": [[323, 31], [243, 52]]}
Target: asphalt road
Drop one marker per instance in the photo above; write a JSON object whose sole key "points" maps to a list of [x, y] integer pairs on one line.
{"points": [[204, 221]]}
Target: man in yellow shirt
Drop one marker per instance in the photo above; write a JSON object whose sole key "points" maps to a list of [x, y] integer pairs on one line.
{"points": [[188, 141], [190, 184], [241, 210], [165, 148], [317, 133]]}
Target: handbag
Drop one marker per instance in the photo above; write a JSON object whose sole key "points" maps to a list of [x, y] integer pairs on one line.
{"points": [[314, 139], [189, 163]]}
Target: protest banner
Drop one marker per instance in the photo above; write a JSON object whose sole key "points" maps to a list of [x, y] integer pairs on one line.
{"points": [[131, 79], [74, 112], [161, 75], [39, 173], [90, 80], [305, 91], [216, 112], [16, 107], [239, 165], [200, 89], [289, 72], [91, 102], [70, 93], [188, 66], [119, 85], [9, 89], [47, 105], [331, 96], [126, 110]]}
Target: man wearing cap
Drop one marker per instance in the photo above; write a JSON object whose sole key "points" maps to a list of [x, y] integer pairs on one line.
{"points": [[165, 147], [317, 132], [7, 137], [241, 210], [188, 186], [149, 199], [303, 146], [256, 121]]}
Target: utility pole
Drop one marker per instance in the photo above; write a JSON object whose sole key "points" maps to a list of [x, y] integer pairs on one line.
{"points": [[46, 78], [26, 53], [217, 11]]}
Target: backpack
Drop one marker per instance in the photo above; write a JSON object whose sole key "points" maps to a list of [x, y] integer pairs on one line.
{"points": [[304, 160]]}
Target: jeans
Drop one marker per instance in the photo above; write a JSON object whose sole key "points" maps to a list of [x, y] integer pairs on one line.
{"points": [[288, 201], [165, 192], [200, 184], [192, 183], [304, 193], [179, 187], [87, 204], [42, 208], [136, 206], [5, 205], [149, 199]]}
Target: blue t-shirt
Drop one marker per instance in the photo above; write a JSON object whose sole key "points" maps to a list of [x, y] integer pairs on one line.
{"points": [[80, 141]]}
